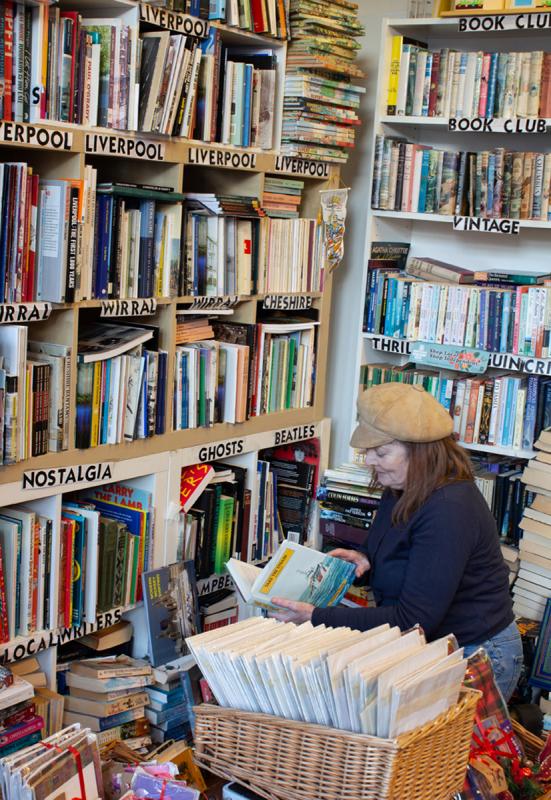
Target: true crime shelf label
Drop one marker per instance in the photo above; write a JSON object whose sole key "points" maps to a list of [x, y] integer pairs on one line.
{"points": [[24, 312], [505, 22], [144, 306], [483, 125], [302, 166], [174, 21], [218, 157], [223, 302], [286, 302], [67, 476], [108, 144], [507, 226], [22, 133]]}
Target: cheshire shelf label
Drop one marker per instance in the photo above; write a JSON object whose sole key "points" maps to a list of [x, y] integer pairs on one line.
{"points": [[297, 434], [213, 584], [219, 157], [483, 125], [174, 21], [505, 22], [507, 226], [142, 307], [214, 303], [67, 476], [32, 645], [24, 312], [110, 144], [302, 166], [287, 302], [23, 133], [462, 359]]}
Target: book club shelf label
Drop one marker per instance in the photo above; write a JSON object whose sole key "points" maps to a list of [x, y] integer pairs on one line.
{"points": [[218, 157], [67, 476], [287, 302], [22, 133], [505, 22], [483, 125], [222, 303], [462, 359], [174, 21], [506, 361], [144, 306], [506, 226], [302, 166], [32, 645], [109, 144], [24, 312]]}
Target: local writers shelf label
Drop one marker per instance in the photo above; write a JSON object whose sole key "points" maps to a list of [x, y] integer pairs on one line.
{"points": [[302, 166], [507, 226], [493, 125], [287, 302], [219, 157], [174, 21], [505, 22], [24, 312], [144, 306], [127, 146], [67, 476], [22, 133]]}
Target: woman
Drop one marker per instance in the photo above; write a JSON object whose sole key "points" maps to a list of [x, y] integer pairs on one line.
{"points": [[432, 556]]}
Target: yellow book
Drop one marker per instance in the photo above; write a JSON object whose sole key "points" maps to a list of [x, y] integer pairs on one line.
{"points": [[394, 75], [96, 404]]}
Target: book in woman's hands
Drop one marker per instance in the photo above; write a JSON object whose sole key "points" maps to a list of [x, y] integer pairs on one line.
{"points": [[295, 573]]}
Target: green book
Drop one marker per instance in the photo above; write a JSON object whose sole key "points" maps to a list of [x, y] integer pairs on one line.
{"points": [[120, 567], [290, 371], [108, 535], [274, 367], [223, 533]]}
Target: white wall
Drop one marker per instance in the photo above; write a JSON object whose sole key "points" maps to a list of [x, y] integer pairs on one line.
{"points": [[346, 317]]}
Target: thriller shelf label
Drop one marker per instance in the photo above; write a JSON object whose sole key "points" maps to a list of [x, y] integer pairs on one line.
{"points": [[108, 144], [507, 226], [23, 133], [218, 157]]}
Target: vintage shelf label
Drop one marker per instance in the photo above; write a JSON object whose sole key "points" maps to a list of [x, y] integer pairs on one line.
{"points": [[506, 226]]}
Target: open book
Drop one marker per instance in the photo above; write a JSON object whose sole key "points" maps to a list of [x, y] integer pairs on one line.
{"points": [[295, 573]]}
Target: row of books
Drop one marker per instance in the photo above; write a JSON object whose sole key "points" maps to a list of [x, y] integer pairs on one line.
{"points": [[499, 481], [500, 184], [259, 16], [50, 575], [319, 102], [230, 379], [504, 320], [450, 83], [348, 505], [169, 706], [282, 197], [121, 385], [505, 411]]}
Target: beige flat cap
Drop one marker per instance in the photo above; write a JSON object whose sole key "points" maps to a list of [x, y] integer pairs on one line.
{"points": [[399, 411]]}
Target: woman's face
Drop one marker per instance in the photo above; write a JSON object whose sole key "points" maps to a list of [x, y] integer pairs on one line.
{"points": [[390, 463]]}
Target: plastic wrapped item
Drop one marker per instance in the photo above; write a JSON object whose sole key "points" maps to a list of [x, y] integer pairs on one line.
{"points": [[157, 783]]}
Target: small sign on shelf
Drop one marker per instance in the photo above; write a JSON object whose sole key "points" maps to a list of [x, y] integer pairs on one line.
{"points": [[444, 356]]}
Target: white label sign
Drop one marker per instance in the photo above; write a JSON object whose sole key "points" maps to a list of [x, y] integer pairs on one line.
{"points": [[22, 133], [174, 20], [113, 145], [507, 226], [302, 166], [24, 312], [213, 584], [483, 125], [505, 22], [212, 303], [297, 434], [287, 302], [67, 476], [141, 307], [213, 452], [217, 157]]}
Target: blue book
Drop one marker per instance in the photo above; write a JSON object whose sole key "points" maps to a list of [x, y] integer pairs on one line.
{"points": [[508, 417], [195, 8], [406, 301], [104, 202], [247, 104], [424, 181], [146, 258], [162, 647], [161, 393], [105, 405], [482, 326], [78, 557], [505, 321], [530, 413], [185, 390], [541, 670], [460, 111], [217, 9], [492, 81], [391, 293]]}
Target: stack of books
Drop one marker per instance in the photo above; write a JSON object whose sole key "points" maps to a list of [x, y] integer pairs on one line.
{"points": [[106, 692], [533, 585], [450, 83], [499, 480], [282, 196], [348, 506], [21, 724], [320, 103], [192, 330], [497, 184], [169, 708], [121, 385]]}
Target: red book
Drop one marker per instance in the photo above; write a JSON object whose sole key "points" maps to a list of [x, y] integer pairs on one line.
{"points": [[23, 288], [258, 10], [25, 729], [17, 717], [193, 481], [545, 93], [434, 78], [30, 289], [66, 572], [34, 576], [8, 58]]}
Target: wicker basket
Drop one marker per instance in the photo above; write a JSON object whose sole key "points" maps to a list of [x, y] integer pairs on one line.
{"points": [[285, 760], [531, 743]]}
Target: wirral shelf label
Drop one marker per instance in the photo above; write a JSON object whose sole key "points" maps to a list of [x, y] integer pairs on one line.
{"points": [[297, 434], [505, 22], [218, 157], [22, 133], [302, 166], [462, 359], [214, 303], [174, 20], [109, 144], [507, 226], [483, 125], [24, 312], [67, 476], [144, 306], [287, 302], [36, 644], [212, 452]]}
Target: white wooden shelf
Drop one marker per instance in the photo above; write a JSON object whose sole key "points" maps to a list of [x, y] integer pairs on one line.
{"points": [[415, 216], [500, 451]]}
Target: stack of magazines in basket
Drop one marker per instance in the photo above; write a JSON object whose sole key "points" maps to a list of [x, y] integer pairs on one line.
{"points": [[381, 682]]}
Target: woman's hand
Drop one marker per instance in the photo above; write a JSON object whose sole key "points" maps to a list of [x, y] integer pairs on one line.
{"points": [[353, 557], [296, 611]]}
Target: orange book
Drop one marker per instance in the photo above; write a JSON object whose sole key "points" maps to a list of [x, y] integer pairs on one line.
{"points": [[471, 412]]}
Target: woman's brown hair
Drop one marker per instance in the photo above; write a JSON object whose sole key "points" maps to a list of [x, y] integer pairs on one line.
{"points": [[431, 465]]}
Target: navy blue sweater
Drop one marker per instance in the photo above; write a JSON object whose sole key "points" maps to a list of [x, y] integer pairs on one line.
{"points": [[443, 570]]}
